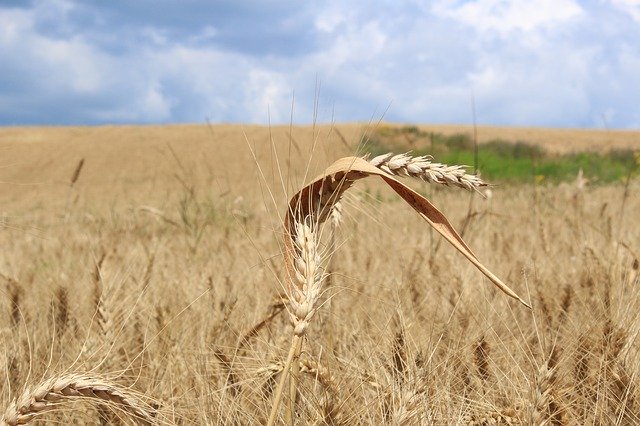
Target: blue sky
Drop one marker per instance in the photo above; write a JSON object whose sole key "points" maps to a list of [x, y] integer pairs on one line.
{"points": [[560, 63]]}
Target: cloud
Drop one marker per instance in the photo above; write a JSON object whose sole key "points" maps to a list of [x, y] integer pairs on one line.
{"points": [[560, 63], [631, 7], [66, 79], [505, 16]]}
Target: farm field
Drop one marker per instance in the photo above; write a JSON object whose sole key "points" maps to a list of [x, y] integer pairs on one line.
{"points": [[146, 263]]}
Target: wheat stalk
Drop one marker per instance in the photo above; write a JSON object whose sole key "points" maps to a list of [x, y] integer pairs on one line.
{"points": [[481, 358], [61, 309], [15, 291], [425, 169], [542, 396], [303, 297], [314, 204], [76, 172], [544, 410], [51, 393], [330, 404]]}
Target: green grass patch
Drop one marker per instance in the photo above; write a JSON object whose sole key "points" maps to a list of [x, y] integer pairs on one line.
{"points": [[507, 161]]}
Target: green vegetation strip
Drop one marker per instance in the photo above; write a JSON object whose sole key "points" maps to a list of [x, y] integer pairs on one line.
{"points": [[508, 161]]}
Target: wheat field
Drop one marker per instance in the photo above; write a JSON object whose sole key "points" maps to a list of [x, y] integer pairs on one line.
{"points": [[143, 281]]}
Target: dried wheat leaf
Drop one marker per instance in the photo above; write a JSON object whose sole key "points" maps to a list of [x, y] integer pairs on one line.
{"points": [[315, 200]]}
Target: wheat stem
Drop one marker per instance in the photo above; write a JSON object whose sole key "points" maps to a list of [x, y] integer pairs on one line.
{"points": [[296, 344]]}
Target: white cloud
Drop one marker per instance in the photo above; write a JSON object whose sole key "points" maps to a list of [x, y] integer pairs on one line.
{"points": [[267, 96], [11, 24], [632, 7], [52, 64], [207, 34], [505, 16], [329, 20], [154, 35], [358, 43]]}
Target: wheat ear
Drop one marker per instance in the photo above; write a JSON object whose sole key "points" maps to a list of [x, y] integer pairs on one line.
{"points": [[543, 408], [424, 168], [51, 393], [542, 396], [309, 276], [303, 299]]}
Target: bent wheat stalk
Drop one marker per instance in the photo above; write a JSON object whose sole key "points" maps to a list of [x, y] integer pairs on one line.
{"points": [[53, 392], [313, 204], [316, 200]]}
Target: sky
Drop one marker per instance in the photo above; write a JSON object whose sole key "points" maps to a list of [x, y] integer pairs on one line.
{"points": [[553, 63]]}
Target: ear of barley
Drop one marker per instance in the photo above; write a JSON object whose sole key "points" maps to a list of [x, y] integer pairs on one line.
{"points": [[424, 168], [49, 394]]}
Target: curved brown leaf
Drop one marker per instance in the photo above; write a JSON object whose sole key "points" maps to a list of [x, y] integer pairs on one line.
{"points": [[314, 202]]}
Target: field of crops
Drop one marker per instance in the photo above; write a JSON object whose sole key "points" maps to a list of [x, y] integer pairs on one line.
{"points": [[143, 280]]}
